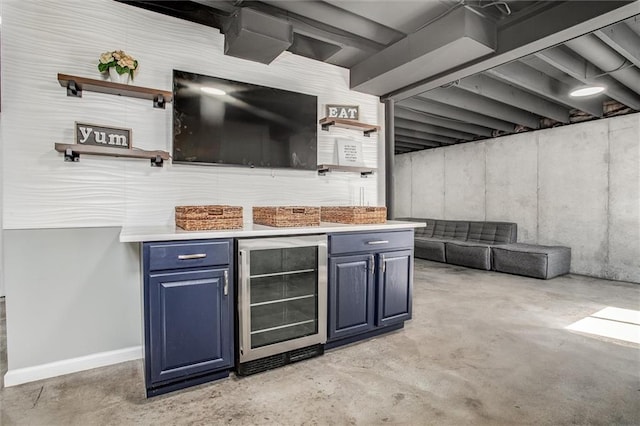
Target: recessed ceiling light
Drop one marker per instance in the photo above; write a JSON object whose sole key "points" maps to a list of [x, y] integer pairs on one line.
{"points": [[213, 91], [586, 91]]}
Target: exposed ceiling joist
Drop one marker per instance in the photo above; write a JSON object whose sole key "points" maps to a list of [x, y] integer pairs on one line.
{"points": [[595, 51], [423, 117], [470, 101], [488, 87], [403, 149], [436, 130], [538, 82], [416, 142], [623, 40], [448, 111], [578, 68], [566, 20], [456, 38], [401, 131]]}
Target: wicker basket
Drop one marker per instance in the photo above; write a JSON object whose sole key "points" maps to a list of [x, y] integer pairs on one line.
{"points": [[211, 217], [354, 214], [287, 216]]}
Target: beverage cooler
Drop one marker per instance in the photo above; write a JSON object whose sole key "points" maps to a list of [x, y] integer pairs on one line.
{"points": [[282, 301]]}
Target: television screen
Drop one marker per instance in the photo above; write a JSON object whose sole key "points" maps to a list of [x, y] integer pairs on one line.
{"points": [[219, 121]]}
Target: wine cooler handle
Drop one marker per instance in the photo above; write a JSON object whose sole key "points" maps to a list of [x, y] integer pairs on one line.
{"points": [[226, 282], [243, 302]]}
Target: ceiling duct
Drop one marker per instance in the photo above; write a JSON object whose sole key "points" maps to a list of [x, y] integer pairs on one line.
{"points": [[453, 40], [257, 36]]}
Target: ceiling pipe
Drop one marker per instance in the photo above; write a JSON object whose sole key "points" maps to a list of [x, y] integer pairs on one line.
{"points": [[602, 56]]}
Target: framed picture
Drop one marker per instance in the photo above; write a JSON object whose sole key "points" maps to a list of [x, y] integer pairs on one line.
{"points": [[95, 134], [349, 152]]}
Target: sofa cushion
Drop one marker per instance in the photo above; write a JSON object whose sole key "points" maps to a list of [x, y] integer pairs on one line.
{"points": [[492, 232], [429, 249], [468, 253], [423, 231], [451, 229], [532, 260]]}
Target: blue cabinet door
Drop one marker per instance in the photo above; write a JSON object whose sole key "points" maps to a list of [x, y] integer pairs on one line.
{"points": [[395, 285], [190, 323], [351, 295]]}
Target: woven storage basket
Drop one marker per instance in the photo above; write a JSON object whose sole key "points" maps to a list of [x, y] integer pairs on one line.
{"points": [[354, 214], [211, 217], [287, 216]]}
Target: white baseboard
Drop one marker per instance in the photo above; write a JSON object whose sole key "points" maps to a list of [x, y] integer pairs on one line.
{"points": [[73, 365]]}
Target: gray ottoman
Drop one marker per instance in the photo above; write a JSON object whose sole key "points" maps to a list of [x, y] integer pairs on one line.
{"points": [[532, 260]]}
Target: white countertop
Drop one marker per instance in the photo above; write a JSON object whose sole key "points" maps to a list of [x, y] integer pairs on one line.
{"points": [[135, 234]]}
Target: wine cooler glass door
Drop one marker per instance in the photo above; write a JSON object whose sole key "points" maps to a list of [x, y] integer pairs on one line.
{"points": [[282, 297]]}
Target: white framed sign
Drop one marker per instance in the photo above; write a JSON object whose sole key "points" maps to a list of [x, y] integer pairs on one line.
{"points": [[349, 152], [95, 134], [349, 112]]}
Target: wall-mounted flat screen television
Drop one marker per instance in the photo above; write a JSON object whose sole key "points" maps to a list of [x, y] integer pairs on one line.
{"points": [[225, 122]]}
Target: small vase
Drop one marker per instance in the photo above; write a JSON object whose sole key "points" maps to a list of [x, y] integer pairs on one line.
{"points": [[118, 78]]}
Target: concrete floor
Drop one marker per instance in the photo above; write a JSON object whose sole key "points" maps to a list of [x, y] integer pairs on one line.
{"points": [[482, 348]]}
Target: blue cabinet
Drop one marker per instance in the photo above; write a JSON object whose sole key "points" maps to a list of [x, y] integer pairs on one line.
{"points": [[188, 315], [370, 284], [394, 287], [351, 295]]}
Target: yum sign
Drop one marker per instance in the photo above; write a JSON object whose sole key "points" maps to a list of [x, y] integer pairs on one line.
{"points": [[115, 137]]}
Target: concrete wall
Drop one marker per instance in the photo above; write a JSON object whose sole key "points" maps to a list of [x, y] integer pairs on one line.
{"points": [[575, 185]]}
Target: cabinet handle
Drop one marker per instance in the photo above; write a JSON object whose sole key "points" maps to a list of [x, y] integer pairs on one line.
{"points": [[192, 256], [383, 264], [371, 265], [226, 282], [372, 243]]}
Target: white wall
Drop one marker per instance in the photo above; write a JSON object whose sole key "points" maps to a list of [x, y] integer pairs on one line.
{"points": [[576, 185], [52, 204], [43, 38]]}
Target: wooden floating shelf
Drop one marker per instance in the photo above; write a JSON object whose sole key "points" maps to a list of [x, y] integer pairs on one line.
{"points": [[75, 85], [367, 129], [72, 152], [364, 171]]}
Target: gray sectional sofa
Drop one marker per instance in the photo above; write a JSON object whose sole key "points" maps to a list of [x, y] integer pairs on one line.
{"points": [[462, 242], [488, 245]]}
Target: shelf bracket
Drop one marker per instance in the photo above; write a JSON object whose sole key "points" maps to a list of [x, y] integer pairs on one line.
{"points": [[73, 89], [367, 133], [323, 172], [326, 126], [366, 174], [157, 161], [159, 101], [71, 155]]}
